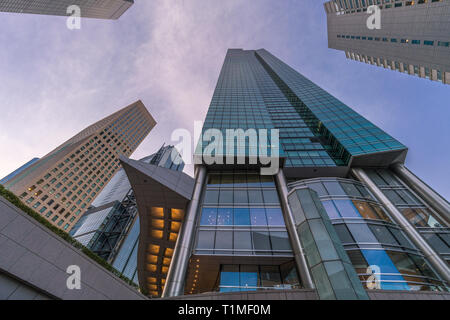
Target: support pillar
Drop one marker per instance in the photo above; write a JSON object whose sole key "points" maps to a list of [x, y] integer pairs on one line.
{"points": [[435, 260], [177, 272], [299, 255], [432, 198]]}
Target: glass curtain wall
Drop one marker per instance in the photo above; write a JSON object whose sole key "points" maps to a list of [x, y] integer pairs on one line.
{"points": [[424, 218], [374, 243], [241, 216]]}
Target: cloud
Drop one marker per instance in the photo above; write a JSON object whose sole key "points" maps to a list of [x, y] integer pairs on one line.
{"points": [[55, 82]]}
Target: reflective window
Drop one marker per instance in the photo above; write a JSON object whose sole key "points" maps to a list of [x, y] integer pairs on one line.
{"points": [[270, 196], [261, 242], [229, 278], [274, 217], [270, 276], [331, 209], [242, 240], [211, 197], [346, 209], [240, 196], [248, 276], [361, 233], [258, 217], [343, 233], [226, 197], [350, 189], [224, 216], [334, 188], [205, 239], [224, 240], [280, 241], [318, 187], [241, 216], [255, 196], [383, 235], [209, 217]]}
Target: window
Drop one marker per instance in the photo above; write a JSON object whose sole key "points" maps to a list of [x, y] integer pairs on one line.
{"points": [[334, 188], [318, 187], [241, 216], [226, 196], [261, 242], [330, 209], [270, 196], [209, 217], [270, 276], [224, 216], [280, 241], [255, 196], [346, 209], [258, 217], [383, 235], [242, 240], [361, 233], [240, 196], [275, 217], [343, 233], [224, 240]]}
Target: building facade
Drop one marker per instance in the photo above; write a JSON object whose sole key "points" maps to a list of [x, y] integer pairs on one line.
{"points": [[413, 37], [341, 215], [110, 228], [62, 185], [17, 171], [100, 9]]}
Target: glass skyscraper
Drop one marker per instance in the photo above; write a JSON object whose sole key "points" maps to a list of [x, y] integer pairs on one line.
{"points": [[412, 38], [341, 216]]}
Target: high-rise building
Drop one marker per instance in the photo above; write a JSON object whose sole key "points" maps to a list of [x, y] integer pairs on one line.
{"points": [[110, 228], [100, 9], [341, 216], [413, 36], [18, 170], [62, 185]]}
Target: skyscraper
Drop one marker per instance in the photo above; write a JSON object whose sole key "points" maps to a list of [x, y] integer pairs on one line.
{"points": [[100, 9], [110, 228], [413, 37], [341, 216], [62, 185]]}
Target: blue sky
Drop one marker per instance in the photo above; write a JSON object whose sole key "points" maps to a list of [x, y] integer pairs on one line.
{"points": [[54, 81]]}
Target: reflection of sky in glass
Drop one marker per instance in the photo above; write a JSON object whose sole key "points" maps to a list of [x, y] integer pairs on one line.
{"points": [[225, 217], [381, 259], [258, 217], [209, 217], [241, 217]]}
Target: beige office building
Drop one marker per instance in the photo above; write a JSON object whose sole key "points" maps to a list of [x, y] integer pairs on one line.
{"points": [[62, 185], [100, 9], [414, 36]]}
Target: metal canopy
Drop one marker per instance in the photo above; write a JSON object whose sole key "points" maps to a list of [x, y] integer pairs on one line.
{"points": [[162, 196]]}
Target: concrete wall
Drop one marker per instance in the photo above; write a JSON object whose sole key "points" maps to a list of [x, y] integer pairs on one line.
{"points": [[14, 289], [33, 264]]}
